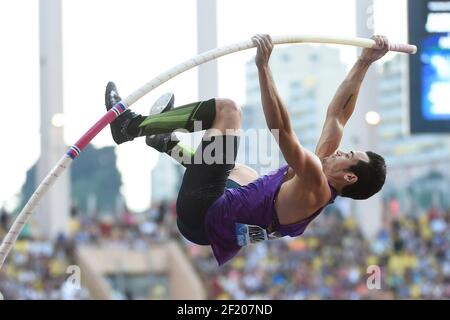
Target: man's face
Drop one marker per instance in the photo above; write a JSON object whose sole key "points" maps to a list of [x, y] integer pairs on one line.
{"points": [[341, 161]]}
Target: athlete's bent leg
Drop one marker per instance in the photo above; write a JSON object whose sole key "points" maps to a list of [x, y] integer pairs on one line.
{"points": [[206, 176]]}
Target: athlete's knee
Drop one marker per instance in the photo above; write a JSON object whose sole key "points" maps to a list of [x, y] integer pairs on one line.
{"points": [[228, 109]]}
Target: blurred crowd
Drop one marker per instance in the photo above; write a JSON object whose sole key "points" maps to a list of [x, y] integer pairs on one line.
{"points": [[38, 269], [408, 259]]}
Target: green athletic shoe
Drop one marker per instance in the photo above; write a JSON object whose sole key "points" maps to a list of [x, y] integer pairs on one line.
{"points": [[162, 142]]}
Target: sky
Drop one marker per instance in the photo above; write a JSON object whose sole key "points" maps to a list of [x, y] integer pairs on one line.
{"points": [[131, 42]]}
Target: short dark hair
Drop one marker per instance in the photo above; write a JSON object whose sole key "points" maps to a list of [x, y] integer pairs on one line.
{"points": [[371, 177]]}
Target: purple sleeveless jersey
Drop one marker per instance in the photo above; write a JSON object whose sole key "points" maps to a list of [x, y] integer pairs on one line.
{"points": [[247, 215]]}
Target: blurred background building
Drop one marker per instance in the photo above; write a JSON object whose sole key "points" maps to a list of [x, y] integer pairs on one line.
{"points": [[166, 179], [52, 214]]}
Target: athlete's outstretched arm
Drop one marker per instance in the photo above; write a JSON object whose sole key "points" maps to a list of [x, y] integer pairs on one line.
{"points": [[275, 112], [344, 101], [277, 117]]}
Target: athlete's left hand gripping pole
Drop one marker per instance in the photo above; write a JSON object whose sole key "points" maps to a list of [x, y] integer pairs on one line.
{"points": [[120, 107]]}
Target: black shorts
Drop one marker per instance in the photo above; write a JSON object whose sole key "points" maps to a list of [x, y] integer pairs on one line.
{"points": [[203, 183]]}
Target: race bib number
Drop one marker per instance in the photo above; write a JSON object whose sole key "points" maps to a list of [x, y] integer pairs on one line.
{"points": [[247, 234]]}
